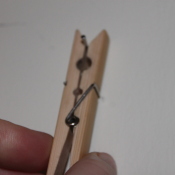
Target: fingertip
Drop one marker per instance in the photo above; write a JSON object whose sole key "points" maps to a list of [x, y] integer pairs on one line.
{"points": [[93, 164], [108, 159], [22, 149]]}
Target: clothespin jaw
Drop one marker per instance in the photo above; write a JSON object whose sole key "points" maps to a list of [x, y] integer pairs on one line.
{"points": [[79, 77]]}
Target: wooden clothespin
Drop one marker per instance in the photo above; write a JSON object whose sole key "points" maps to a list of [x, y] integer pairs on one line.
{"points": [[79, 101]]}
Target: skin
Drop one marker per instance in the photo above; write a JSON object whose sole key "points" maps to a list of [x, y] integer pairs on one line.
{"points": [[26, 152]]}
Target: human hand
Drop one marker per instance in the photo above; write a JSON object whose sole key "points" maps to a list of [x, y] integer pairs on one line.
{"points": [[26, 152]]}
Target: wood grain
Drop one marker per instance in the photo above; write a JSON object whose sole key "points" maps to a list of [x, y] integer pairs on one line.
{"points": [[86, 111]]}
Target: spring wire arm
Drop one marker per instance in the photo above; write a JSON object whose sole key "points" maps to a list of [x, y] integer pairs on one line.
{"points": [[71, 120]]}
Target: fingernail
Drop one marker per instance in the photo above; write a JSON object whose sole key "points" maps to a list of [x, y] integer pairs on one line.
{"points": [[108, 159]]}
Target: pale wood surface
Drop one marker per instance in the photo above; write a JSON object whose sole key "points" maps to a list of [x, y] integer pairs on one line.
{"points": [[66, 104], [86, 111]]}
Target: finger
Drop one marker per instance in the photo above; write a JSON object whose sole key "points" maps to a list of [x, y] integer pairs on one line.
{"points": [[22, 149], [94, 164], [7, 172]]}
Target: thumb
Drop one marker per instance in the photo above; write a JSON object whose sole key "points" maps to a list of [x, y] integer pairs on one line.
{"points": [[94, 164]]}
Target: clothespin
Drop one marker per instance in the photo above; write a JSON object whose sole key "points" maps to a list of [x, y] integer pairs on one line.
{"points": [[79, 101]]}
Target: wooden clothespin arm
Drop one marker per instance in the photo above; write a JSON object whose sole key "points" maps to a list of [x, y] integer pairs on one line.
{"points": [[77, 82]]}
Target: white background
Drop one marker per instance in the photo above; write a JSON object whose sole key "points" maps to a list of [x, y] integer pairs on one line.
{"points": [[135, 120]]}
